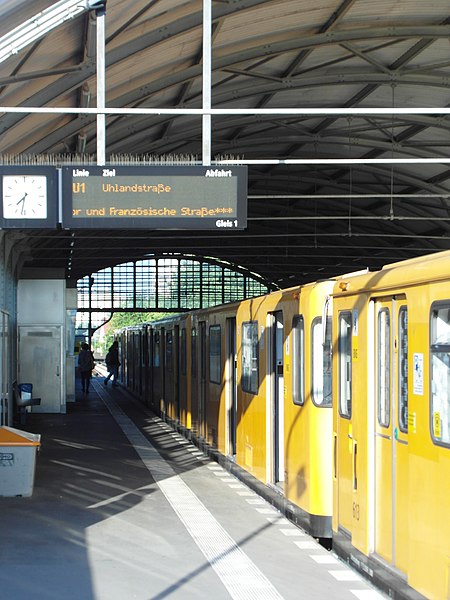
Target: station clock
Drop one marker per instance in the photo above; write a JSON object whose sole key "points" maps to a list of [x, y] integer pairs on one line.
{"points": [[24, 196], [28, 197]]}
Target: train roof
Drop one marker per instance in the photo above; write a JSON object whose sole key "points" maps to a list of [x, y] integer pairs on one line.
{"points": [[422, 270]]}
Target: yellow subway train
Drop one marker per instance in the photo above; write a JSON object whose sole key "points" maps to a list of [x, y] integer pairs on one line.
{"points": [[391, 423], [333, 399]]}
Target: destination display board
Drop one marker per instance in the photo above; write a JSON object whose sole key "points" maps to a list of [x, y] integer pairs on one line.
{"points": [[162, 197]]}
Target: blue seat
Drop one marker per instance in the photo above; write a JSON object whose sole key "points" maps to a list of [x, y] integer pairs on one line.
{"points": [[23, 397]]}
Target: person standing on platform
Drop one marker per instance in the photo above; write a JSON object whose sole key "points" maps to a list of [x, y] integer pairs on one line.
{"points": [[85, 366], [112, 363]]}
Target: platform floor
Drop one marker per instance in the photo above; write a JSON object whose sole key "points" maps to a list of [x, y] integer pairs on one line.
{"points": [[124, 508]]}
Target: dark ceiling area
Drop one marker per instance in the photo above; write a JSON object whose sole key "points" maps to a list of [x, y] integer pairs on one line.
{"points": [[329, 192]]}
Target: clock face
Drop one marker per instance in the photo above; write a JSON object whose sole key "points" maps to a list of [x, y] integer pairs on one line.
{"points": [[24, 197]]}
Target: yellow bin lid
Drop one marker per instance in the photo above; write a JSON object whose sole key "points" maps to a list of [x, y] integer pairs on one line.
{"points": [[15, 437]]}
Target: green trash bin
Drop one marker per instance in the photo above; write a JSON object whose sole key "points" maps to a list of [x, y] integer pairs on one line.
{"points": [[17, 461]]}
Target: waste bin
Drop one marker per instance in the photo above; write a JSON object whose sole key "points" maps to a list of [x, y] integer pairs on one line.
{"points": [[17, 461]]}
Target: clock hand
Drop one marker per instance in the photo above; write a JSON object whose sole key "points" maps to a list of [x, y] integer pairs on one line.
{"points": [[23, 203]]}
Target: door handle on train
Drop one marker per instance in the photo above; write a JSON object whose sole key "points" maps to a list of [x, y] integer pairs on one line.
{"points": [[355, 476]]}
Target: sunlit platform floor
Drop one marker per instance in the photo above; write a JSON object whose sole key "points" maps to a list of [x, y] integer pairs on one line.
{"points": [[125, 508]]}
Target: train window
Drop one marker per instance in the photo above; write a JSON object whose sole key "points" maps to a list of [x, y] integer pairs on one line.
{"points": [[298, 359], [215, 354], [137, 347], [403, 369], [440, 374], [345, 364], [194, 352], [183, 352], [384, 367], [250, 356], [169, 351], [321, 362], [202, 365], [144, 353], [149, 337], [157, 349]]}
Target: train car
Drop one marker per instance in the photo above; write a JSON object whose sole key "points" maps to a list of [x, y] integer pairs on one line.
{"points": [[251, 380], [191, 376], [213, 377], [371, 469], [131, 368], [391, 425], [284, 399], [166, 379], [128, 356], [308, 408]]}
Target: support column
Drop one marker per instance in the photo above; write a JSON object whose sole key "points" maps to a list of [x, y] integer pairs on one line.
{"points": [[101, 119], [206, 124]]}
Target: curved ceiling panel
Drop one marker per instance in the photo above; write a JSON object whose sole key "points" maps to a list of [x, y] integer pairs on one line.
{"points": [[306, 220]]}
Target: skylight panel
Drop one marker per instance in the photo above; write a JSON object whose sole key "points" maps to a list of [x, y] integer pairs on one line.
{"points": [[39, 25]]}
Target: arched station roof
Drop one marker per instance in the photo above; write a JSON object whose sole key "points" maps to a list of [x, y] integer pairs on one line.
{"points": [[329, 191]]}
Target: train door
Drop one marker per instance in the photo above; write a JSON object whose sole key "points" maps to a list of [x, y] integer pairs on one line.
{"points": [[276, 375], [146, 365], [184, 393], [202, 403], [129, 366], [6, 404], [137, 362], [151, 363], [163, 371], [143, 363], [391, 430], [345, 451], [141, 359], [176, 368], [231, 383], [194, 410], [157, 371], [130, 354]]}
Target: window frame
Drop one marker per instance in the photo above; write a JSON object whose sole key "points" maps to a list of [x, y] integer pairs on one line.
{"points": [[347, 414], [157, 349], [250, 382], [169, 350], [384, 366], [324, 363], [215, 354], [403, 364], [183, 351], [298, 360], [434, 350]]}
